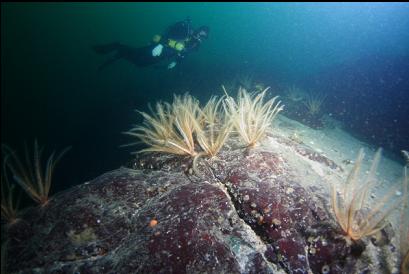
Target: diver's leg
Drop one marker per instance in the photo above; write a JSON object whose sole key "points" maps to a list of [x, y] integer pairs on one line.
{"points": [[138, 56], [121, 51], [106, 48]]}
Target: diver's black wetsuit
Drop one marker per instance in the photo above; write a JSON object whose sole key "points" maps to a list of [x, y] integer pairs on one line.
{"points": [[142, 56]]}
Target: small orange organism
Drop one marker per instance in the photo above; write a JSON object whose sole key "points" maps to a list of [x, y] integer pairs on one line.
{"points": [[153, 223]]}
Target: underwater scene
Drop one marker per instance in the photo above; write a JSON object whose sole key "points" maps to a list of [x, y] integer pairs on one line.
{"points": [[204, 137]]}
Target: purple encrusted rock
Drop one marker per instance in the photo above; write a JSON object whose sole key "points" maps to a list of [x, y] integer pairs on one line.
{"points": [[245, 211]]}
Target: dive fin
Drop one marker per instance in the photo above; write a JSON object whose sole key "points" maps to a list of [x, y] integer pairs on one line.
{"points": [[105, 48]]}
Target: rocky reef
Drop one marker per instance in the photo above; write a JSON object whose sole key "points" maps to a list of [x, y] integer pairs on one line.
{"points": [[259, 210]]}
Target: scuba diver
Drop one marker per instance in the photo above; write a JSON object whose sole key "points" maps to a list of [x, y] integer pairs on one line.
{"points": [[174, 44]]}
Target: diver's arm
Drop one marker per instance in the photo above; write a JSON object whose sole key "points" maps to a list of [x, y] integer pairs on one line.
{"points": [[172, 65], [174, 62], [177, 60]]}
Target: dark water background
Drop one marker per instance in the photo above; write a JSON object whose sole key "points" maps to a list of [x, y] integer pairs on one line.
{"points": [[356, 53]]}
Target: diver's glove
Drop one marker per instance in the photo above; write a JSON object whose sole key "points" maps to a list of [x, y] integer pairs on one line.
{"points": [[157, 50], [172, 65]]}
